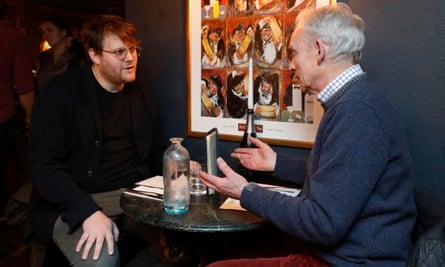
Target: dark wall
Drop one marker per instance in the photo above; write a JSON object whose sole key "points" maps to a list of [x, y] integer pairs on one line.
{"points": [[404, 54]]}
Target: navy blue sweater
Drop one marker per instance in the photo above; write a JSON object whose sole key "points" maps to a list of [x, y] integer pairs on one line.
{"points": [[356, 207]]}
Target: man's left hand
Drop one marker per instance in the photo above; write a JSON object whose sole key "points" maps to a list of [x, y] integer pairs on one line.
{"points": [[97, 229]]}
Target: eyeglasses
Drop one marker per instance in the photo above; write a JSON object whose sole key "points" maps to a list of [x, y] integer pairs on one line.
{"points": [[121, 53]]}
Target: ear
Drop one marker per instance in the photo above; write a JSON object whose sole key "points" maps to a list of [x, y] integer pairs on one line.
{"points": [[95, 58], [320, 49]]}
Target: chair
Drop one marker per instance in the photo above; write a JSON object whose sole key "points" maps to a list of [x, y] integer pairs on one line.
{"points": [[429, 249]]}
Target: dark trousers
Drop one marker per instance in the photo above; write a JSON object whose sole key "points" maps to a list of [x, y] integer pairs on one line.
{"points": [[8, 139]]}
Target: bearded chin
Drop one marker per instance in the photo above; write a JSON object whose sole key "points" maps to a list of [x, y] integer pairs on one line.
{"points": [[130, 77]]}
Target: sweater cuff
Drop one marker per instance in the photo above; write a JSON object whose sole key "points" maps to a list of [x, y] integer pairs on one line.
{"points": [[247, 190]]}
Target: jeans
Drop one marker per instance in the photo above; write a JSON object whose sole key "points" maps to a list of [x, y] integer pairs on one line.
{"points": [[67, 244], [137, 237]]}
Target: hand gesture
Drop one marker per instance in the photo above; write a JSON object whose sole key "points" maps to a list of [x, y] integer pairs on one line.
{"points": [[261, 158], [97, 229], [231, 185]]}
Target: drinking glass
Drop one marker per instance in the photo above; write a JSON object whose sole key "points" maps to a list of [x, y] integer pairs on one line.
{"points": [[197, 187]]}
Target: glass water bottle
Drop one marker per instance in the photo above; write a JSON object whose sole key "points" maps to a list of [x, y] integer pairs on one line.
{"points": [[176, 170]]}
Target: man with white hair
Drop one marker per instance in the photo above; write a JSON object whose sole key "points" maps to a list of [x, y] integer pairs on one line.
{"points": [[356, 205]]}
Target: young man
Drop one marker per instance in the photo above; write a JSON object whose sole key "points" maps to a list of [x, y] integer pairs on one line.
{"points": [[94, 132], [356, 207]]}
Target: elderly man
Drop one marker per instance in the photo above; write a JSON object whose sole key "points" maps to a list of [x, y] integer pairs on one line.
{"points": [[356, 206]]}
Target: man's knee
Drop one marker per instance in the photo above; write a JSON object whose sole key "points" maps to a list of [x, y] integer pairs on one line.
{"points": [[105, 260], [67, 245]]}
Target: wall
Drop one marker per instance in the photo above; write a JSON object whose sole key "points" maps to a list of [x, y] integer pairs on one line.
{"points": [[404, 54]]}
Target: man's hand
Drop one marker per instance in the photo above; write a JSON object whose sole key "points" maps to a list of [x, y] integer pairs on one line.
{"points": [[97, 229], [261, 158], [231, 185]]}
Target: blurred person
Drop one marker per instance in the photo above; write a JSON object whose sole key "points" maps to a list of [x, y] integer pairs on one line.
{"points": [[104, 137], [65, 53], [356, 205], [15, 81]]}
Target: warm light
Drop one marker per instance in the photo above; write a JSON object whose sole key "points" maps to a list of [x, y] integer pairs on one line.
{"points": [[44, 45]]}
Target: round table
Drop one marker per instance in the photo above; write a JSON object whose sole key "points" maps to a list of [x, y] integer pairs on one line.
{"points": [[201, 231], [204, 215]]}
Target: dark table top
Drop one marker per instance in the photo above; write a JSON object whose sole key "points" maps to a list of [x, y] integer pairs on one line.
{"points": [[204, 215]]}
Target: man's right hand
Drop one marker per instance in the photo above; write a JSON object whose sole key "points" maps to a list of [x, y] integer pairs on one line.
{"points": [[97, 229]]}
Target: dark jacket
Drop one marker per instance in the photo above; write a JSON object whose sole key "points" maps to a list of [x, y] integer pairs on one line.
{"points": [[66, 147]]}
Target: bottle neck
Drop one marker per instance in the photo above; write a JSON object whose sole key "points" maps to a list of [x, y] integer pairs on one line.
{"points": [[250, 123]]}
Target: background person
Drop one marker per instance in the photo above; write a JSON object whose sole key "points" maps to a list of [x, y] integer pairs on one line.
{"points": [[16, 81], [356, 206], [104, 136], [66, 51]]}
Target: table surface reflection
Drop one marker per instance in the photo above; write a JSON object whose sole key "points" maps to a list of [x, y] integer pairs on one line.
{"points": [[204, 215]]}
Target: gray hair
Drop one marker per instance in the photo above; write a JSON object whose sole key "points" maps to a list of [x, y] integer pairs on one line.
{"points": [[336, 26]]}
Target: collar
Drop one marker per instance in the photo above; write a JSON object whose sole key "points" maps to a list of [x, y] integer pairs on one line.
{"points": [[338, 83]]}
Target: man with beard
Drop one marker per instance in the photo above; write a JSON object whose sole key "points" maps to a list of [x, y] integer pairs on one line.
{"points": [[94, 132]]}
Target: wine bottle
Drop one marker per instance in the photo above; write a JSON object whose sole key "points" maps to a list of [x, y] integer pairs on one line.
{"points": [[249, 131]]}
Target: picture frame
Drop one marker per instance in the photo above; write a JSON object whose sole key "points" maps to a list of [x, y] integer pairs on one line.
{"points": [[221, 36]]}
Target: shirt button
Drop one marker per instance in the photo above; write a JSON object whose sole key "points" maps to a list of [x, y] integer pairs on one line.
{"points": [[90, 173]]}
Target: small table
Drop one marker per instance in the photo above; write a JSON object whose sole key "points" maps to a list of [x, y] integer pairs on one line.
{"points": [[203, 218], [204, 215]]}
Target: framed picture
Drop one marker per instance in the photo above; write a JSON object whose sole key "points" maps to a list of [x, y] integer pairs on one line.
{"points": [[222, 36]]}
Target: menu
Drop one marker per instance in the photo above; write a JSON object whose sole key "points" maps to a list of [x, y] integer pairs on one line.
{"points": [[152, 187], [234, 204]]}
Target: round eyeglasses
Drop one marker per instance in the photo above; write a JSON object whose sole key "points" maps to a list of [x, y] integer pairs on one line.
{"points": [[121, 53]]}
